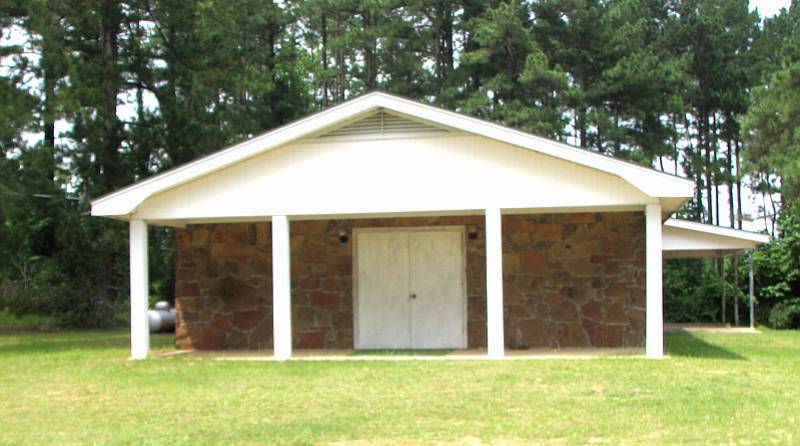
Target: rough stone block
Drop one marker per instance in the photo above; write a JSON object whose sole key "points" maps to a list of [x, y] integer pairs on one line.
{"points": [[328, 301], [310, 339], [247, 320], [548, 232], [199, 236], [581, 218], [531, 262]]}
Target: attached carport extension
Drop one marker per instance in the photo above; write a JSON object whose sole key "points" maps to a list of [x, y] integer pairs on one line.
{"points": [[691, 240]]}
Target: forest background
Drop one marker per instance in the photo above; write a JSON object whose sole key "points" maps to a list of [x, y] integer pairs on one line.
{"points": [[95, 95]]}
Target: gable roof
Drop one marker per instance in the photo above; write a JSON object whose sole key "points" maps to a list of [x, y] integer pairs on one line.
{"points": [[651, 182]]}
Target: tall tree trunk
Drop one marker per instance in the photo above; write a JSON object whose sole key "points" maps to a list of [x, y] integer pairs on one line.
{"points": [[325, 86], [48, 117], [145, 149], [617, 142], [110, 17], [370, 52], [580, 117], [774, 214], [444, 42], [675, 149], [708, 170], [739, 216], [730, 183], [51, 73], [341, 67], [695, 156], [715, 169], [716, 191]]}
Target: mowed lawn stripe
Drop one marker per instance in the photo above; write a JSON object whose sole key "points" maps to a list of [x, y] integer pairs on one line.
{"points": [[77, 387]]}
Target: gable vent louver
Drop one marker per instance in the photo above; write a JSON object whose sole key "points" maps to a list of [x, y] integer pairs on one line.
{"points": [[383, 124]]}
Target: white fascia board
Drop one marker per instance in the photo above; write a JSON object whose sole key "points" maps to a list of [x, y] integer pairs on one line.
{"points": [[124, 202], [720, 231], [650, 181]]}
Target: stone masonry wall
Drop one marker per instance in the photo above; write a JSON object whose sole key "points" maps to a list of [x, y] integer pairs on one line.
{"points": [[223, 286], [570, 280], [223, 291], [574, 280]]}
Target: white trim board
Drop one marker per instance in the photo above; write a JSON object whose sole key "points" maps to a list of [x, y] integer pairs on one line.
{"points": [[718, 230], [182, 223], [688, 239]]}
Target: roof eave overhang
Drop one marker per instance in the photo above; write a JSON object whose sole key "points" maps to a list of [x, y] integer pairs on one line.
{"points": [[698, 240], [739, 234], [123, 203]]}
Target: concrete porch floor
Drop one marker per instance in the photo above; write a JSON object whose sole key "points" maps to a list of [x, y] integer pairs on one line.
{"points": [[454, 355]]}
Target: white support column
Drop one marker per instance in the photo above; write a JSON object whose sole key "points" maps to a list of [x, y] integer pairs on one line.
{"points": [[752, 293], [724, 284], [495, 338], [654, 327], [140, 327], [281, 289]]}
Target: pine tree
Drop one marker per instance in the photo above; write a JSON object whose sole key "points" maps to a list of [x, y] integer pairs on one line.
{"points": [[511, 80]]}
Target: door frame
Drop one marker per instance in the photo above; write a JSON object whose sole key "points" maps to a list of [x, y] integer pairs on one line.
{"points": [[455, 228]]}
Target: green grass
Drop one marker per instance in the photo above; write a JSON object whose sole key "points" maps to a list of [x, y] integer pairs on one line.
{"points": [[77, 387], [402, 352], [28, 321]]}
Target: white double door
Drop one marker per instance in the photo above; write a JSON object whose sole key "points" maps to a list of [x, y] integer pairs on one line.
{"points": [[410, 290]]}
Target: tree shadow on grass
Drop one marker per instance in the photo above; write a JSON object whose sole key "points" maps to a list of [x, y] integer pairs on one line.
{"points": [[38, 342], [685, 344]]}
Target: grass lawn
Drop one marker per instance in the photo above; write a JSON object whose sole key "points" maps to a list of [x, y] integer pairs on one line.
{"points": [[10, 321], [77, 387]]}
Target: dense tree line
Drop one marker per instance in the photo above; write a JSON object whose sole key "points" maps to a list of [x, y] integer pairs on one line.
{"points": [[96, 95]]}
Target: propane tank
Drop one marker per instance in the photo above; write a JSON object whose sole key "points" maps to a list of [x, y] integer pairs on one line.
{"points": [[162, 318]]}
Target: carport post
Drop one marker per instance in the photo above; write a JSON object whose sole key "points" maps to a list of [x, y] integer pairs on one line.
{"points": [[140, 329], [495, 340], [752, 294], [281, 289], [724, 289], [654, 319]]}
